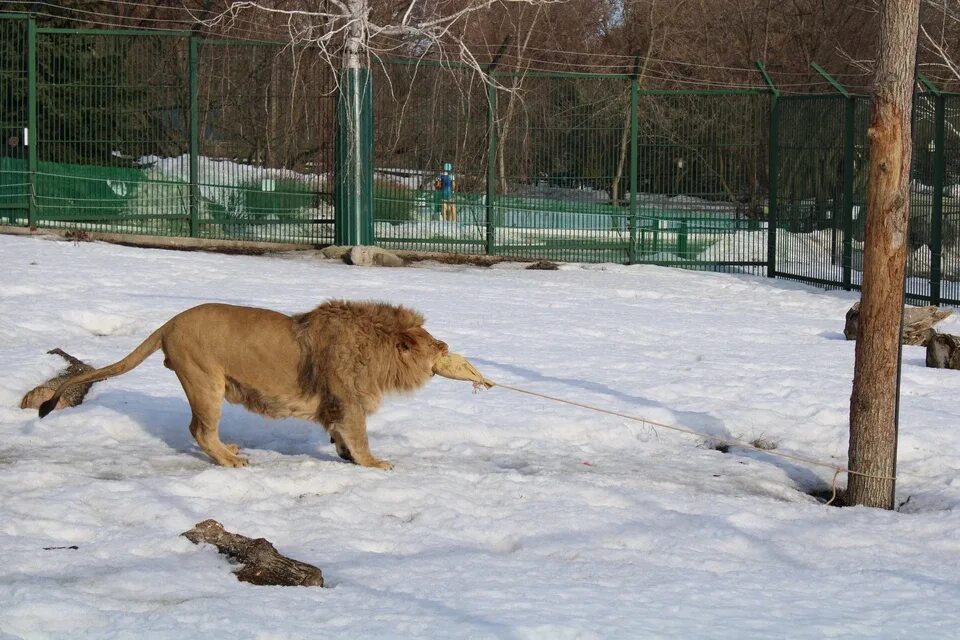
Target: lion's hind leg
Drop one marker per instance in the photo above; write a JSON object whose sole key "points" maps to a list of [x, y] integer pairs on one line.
{"points": [[205, 396], [350, 436]]}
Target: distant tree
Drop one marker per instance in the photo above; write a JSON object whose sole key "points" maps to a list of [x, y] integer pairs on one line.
{"points": [[940, 41]]}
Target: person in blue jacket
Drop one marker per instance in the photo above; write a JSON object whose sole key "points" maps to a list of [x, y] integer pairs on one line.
{"points": [[446, 184]]}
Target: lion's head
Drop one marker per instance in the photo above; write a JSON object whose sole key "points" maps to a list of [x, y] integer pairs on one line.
{"points": [[419, 352], [366, 349]]}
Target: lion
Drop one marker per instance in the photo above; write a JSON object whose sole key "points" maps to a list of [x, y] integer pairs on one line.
{"points": [[332, 365]]}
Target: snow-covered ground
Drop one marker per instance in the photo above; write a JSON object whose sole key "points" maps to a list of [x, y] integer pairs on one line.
{"points": [[506, 516]]}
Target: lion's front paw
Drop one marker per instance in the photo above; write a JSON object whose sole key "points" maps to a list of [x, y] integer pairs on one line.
{"points": [[374, 463], [231, 459], [379, 463]]}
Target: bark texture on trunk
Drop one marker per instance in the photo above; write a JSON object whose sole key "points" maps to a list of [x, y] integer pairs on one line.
{"points": [[873, 402]]}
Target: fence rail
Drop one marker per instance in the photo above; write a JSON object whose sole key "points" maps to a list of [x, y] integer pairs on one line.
{"points": [[168, 133]]}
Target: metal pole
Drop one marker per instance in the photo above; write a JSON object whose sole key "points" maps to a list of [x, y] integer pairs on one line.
{"points": [[848, 157], [634, 164], [833, 81], [491, 166], [353, 215], [773, 170], [493, 143], [194, 70], [936, 213], [33, 135]]}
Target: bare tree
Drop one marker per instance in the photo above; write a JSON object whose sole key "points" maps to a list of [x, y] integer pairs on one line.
{"points": [[940, 32], [873, 403], [352, 32], [649, 21]]}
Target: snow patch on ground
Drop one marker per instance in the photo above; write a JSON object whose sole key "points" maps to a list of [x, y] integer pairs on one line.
{"points": [[506, 515]]}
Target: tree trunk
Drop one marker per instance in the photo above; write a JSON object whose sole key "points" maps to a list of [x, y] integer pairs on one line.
{"points": [[873, 402], [504, 131]]}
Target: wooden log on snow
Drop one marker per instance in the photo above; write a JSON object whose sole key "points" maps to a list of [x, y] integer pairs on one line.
{"points": [[917, 323], [262, 563], [943, 351], [73, 396]]}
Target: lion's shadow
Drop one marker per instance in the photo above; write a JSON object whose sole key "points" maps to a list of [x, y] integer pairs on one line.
{"points": [[167, 419]]}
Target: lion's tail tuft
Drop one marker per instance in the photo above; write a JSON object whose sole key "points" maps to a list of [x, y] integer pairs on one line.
{"points": [[48, 405], [136, 356]]}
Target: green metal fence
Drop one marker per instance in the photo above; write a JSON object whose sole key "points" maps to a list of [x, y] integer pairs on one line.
{"points": [[579, 167], [933, 269], [266, 138], [822, 157], [821, 172], [14, 117], [164, 133], [168, 133], [428, 115]]}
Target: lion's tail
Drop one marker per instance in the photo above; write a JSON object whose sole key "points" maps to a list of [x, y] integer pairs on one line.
{"points": [[138, 355]]}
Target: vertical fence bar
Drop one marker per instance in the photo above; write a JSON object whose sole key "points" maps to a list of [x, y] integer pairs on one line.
{"points": [[634, 164], [939, 169], [194, 65], [367, 227], [848, 158], [773, 170], [773, 194], [936, 212], [33, 135], [493, 149], [491, 192]]}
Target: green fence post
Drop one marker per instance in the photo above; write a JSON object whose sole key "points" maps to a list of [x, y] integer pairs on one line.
{"points": [[848, 159], [492, 150], [939, 169], [936, 227], [634, 164], [194, 66], [353, 199], [773, 170], [682, 239], [491, 193], [33, 134]]}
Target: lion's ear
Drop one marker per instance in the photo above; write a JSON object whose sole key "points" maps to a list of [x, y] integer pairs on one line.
{"points": [[405, 343]]}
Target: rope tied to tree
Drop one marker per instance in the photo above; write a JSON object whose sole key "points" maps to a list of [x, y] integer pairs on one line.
{"points": [[457, 367]]}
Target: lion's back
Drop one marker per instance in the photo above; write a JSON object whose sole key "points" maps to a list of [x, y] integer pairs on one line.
{"points": [[243, 342]]}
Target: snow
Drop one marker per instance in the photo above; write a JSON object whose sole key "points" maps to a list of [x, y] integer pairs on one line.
{"points": [[506, 516]]}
